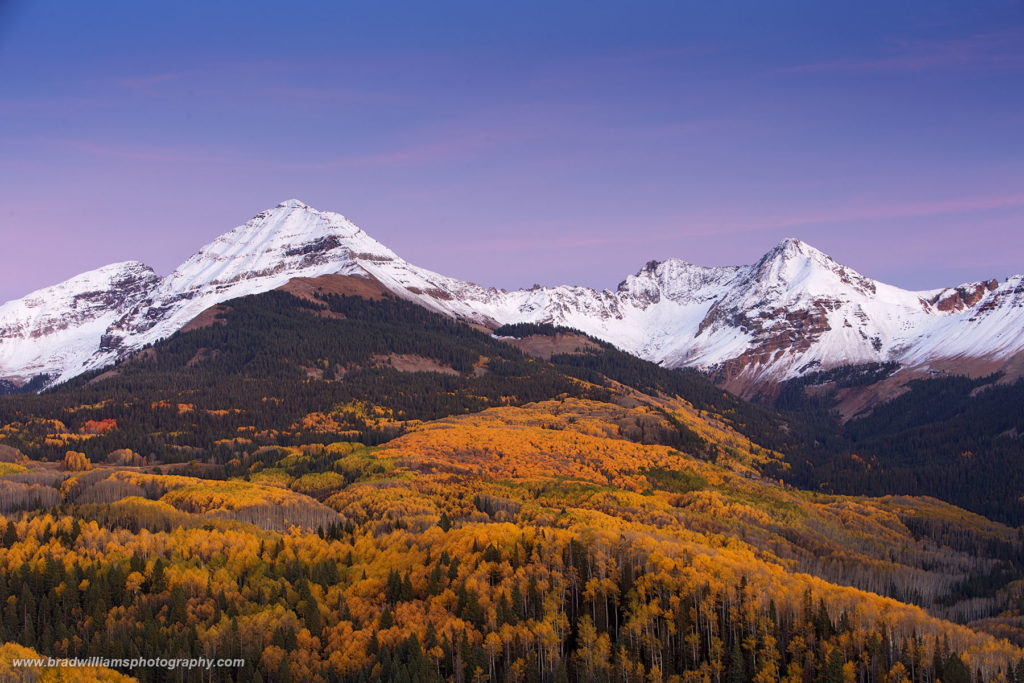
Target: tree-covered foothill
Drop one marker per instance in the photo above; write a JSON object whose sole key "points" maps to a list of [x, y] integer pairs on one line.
{"points": [[955, 438]]}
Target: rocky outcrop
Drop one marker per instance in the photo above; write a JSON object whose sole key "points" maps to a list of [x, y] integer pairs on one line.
{"points": [[962, 297]]}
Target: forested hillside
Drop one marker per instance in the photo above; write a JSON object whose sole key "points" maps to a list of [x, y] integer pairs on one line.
{"points": [[954, 438], [345, 489]]}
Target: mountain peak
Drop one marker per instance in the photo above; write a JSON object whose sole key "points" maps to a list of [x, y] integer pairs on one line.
{"points": [[790, 255], [799, 269], [793, 247], [676, 280], [278, 243]]}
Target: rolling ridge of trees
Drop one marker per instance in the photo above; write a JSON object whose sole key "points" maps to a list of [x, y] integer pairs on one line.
{"points": [[758, 423]]}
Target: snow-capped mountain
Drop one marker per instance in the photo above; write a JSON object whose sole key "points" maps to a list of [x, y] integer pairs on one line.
{"points": [[794, 311]]}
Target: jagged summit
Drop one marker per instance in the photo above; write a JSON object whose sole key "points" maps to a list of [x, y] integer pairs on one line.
{"points": [[290, 237], [793, 311], [792, 246], [793, 253]]}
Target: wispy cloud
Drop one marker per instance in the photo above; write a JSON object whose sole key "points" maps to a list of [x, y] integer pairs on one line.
{"points": [[342, 95], [995, 50], [573, 72], [140, 152], [243, 76], [49, 105], [862, 211], [550, 242], [146, 83], [429, 148]]}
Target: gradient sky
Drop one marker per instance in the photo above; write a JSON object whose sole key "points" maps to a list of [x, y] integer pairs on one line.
{"points": [[519, 142]]}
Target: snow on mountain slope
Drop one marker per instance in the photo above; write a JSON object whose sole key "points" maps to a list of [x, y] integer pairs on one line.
{"points": [[797, 310], [794, 311], [290, 240], [57, 330], [991, 327]]}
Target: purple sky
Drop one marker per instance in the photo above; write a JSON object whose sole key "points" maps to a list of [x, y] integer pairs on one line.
{"points": [[521, 142]]}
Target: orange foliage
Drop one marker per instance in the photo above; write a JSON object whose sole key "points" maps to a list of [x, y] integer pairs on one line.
{"points": [[99, 426]]}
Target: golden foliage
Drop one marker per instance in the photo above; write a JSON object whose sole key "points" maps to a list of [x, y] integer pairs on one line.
{"points": [[75, 461], [124, 456], [525, 538], [45, 674]]}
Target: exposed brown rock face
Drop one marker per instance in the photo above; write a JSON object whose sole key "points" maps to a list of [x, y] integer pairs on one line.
{"points": [[963, 296], [407, 362], [346, 285], [775, 333], [1005, 298], [544, 346], [435, 293], [208, 318]]}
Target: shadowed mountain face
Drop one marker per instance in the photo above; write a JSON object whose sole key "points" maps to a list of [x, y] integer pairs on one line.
{"points": [[793, 313]]}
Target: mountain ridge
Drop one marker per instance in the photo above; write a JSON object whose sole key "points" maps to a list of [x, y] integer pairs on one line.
{"points": [[796, 310]]}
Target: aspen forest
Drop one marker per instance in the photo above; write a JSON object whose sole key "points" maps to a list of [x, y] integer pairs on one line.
{"points": [[332, 488]]}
